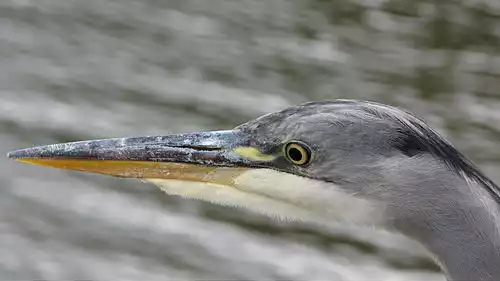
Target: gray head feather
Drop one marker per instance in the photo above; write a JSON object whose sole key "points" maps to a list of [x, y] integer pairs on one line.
{"points": [[341, 130], [432, 193]]}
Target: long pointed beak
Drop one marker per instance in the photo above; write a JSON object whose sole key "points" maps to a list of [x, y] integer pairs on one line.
{"points": [[190, 156]]}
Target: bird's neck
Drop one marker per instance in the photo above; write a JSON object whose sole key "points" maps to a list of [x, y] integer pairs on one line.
{"points": [[462, 231], [467, 246]]}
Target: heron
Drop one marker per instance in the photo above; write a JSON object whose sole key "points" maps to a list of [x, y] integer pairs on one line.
{"points": [[342, 161]]}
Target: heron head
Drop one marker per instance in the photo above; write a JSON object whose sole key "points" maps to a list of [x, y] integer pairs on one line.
{"points": [[339, 160], [345, 161]]}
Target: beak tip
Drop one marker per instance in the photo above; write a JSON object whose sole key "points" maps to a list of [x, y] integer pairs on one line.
{"points": [[17, 154]]}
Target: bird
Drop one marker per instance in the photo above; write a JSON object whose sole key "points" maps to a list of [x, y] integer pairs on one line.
{"points": [[335, 161]]}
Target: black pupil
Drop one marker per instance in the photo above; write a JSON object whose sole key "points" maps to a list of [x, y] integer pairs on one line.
{"points": [[295, 154]]}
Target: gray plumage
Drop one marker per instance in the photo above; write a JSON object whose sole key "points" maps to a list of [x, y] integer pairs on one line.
{"points": [[431, 192]]}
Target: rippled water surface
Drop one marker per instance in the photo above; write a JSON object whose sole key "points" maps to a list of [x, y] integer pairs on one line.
{"points": [[75, 69]]}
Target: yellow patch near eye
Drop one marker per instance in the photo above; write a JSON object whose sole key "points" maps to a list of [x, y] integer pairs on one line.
{"points": [[253, 154]]}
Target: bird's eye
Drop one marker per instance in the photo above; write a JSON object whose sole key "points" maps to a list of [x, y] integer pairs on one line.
{"points": [[297, 153]]}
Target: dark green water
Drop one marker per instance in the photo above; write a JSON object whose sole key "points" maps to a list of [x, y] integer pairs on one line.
{"points": [[75, 69]]}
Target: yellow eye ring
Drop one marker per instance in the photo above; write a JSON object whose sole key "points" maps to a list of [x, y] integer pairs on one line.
{"points": [[297, 153]]}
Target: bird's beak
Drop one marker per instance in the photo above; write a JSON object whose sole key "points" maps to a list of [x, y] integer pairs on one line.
{"points": [[188, 157]]}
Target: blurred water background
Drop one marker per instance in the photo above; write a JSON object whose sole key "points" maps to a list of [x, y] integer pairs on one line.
{"points": [[83, 69]]}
